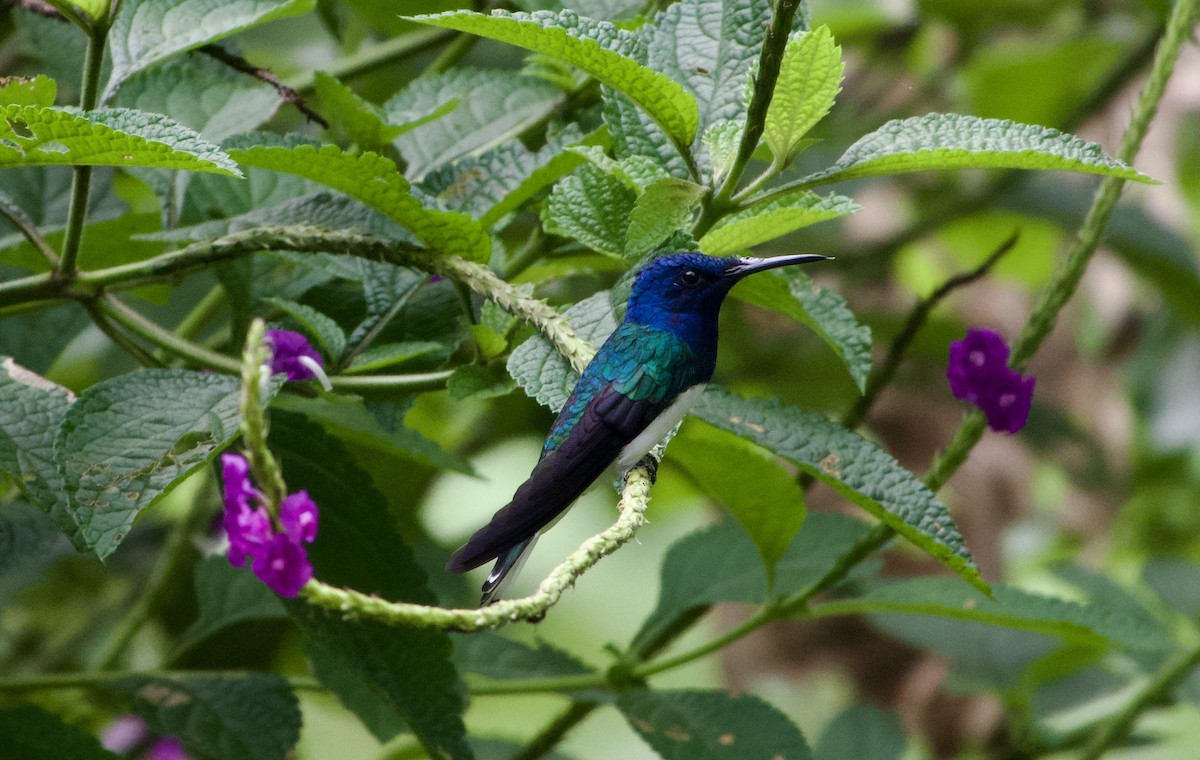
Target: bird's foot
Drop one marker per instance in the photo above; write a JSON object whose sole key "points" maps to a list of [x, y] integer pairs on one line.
{"points": [[650, 463]]}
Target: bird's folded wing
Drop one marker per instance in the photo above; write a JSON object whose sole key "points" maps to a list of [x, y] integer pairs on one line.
{"points": [[608, 423]]}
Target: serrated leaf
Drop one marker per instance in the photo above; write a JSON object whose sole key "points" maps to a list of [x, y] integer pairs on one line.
{"points": [[128, 441], [770, 219], [38, 136], [494, 107], [862, 731], [635, 172], [592, 207], [497, 182], [203, 94], [760, 494], [227, 596], [722, 140], [953, 141], [596, 47], [793, 294], [541, 371], [665, 207], [720, 564], [148, 31], [810, 78], [30, 733], [322, 327], [252, 716], [363, 122], [374, 180], [370, 665], [492, 655], [31, 410], [634, 134], [851, 465], [39, 90], [1093, 624], [712, 725]]}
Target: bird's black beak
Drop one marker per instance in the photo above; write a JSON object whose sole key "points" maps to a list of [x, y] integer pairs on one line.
{"points": [[749, 264]]}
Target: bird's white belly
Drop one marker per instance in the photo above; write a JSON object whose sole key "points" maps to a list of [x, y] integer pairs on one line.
{"points": [[658, 428]]}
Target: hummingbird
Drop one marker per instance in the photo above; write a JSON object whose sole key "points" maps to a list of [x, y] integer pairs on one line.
{"points": [[634, 391]]}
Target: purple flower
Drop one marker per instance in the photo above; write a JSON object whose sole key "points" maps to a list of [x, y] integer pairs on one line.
{"points": [[279, 560], [166, 748], [979, 374], [292, 355]]}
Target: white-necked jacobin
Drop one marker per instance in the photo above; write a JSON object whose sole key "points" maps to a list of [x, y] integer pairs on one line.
{"points": [[635, 390]]}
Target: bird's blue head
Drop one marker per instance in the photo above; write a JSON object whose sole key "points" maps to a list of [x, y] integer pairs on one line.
{"points": [[682, 292]]}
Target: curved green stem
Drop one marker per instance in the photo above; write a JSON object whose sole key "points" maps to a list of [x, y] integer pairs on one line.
{"points": [[549, 737], [82, 182], [98, 679]]}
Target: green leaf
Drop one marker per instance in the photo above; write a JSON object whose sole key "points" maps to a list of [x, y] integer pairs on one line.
{"points": [[253, 716], [31, 410], [374, 180], [722, 140], [541, 371], [720, 564], [391, 354], [323, 328], [30, 733], [592, 207], [494, 656], [38, 136], [598, 48], [128, 441], [39, 90], [492, 185], [29, 544], [482, 382], [40, 336], [712, 725], [1094, 624], [953, 141], [862, 731], [770, 219], [764, 497], [148, 31], [363, 122], [792, 293], [370, 665], [665, 207], [849, 464], [497, 106], [227, 596], [809, 81], [203, 94]]}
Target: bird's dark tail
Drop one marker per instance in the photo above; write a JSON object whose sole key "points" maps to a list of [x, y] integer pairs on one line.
{"points": [[504, 572]]}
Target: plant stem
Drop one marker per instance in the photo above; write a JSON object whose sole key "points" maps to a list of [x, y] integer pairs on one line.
{"points": [[549, 737], [174, 550], [93, 679], [22, 222], [82, 180], [101, 320], [1153, 693]]}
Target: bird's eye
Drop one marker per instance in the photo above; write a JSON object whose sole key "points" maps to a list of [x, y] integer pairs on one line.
{"points": [[690, 277]]}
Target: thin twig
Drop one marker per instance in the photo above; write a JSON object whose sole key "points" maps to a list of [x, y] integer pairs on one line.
{"points": [[241, 65], [22, 222]]}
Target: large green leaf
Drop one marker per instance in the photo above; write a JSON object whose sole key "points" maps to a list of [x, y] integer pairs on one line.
{"points": [[36, 135], [128, 441], [31, 410], [39, 90], [862, 731], [1092, 624], [30, 733], [591, 206], [810, 77], [495, 107], [792, 293], [954, 141], [542, 371], [712, 725], [148, 31], [597, 47], [227, 596], [252, 716], [29, 544], [768, 220], [763, 496], [849, 464], [374, 180], [494, 656], [385, 674], [720, 564]]}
